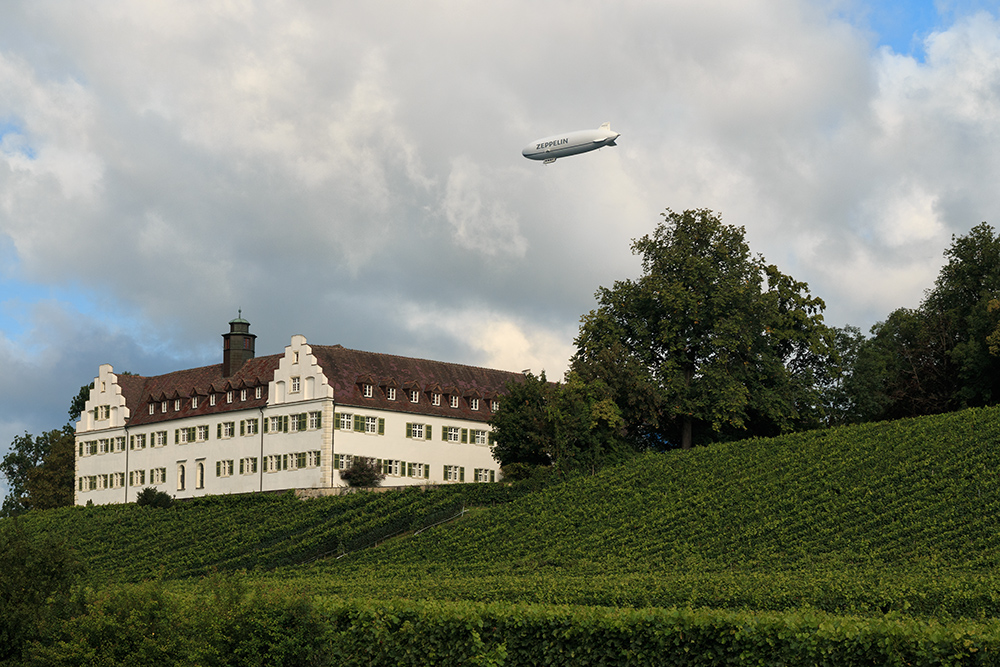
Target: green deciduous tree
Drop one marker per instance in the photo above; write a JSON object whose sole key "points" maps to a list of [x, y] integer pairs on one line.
{"points": [[575, 426], [709, 342], [943, 355], [39, 471]]}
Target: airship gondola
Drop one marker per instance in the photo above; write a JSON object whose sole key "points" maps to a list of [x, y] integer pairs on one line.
{"points": [[572, 143]]}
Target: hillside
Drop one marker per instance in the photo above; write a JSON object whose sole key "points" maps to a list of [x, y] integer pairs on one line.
{"points": [[899, 516]]}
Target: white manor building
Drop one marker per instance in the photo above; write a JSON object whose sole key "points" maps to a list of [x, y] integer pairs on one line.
{"points": [[287, 421]]}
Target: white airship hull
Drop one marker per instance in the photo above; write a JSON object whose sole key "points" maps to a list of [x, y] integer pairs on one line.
{"points": [[571, 143]]}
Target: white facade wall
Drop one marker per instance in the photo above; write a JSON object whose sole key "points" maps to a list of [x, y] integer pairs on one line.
{"points": [[115, 462]]}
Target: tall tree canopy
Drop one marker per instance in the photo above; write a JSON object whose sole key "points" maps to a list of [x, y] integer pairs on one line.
{"points": [[709, 342], [943, 355], [40, 469], [574, 426]]}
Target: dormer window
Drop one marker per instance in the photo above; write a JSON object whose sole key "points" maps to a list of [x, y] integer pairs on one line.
{"points": [[194, 402], [453, 401], [257, 392], [474, 403], [211, 399], [494, 405], [390, 393], [243, 394], [163, 406], [414, 396], [436, 398], [177, 404], [367, 390], [229, 396], [152, 409]]}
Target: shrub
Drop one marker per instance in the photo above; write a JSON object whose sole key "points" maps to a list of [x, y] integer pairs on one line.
{"points": [[363, 472], [153, 498]]}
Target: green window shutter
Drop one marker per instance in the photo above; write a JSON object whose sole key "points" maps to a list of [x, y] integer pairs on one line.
{"points": [[336, 420], [265, 420], [381, 426], [409, 469], [465, 436], [218, 430], [444, 473], [444, 433], [319, 420], [243, 427], [427, 472], [242, 461], [284, 422], [493, 476], [218, 468], [177, 435], [378, 465], [461, 474], [427, 433], [336, 461], [359, 423], [409, 430], [284, 461]]}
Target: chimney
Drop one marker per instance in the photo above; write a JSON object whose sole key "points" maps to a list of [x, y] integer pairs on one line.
{"points": [[237, 347]]}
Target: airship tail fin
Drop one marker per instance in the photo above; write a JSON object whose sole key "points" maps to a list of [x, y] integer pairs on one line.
{"points": [[611, 143], [606, 126]]}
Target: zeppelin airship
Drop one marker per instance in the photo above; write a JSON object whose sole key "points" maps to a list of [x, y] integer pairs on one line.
{"points": [[571, 143]]}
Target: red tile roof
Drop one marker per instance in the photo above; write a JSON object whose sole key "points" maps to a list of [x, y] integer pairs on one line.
{"points": [[346, 370]]}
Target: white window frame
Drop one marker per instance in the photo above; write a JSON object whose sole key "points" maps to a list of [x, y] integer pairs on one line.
{"points": [[315, 419], [454, 433], [346, 421], [436, 399], [453, 401], [474, 403], [211, 400], [414, 396], [257, 392], [367, 390], [194, 402], [371, 425], [390, 393]]}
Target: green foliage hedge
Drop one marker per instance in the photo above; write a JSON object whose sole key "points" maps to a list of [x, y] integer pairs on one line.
{"points": [[225, 624]]}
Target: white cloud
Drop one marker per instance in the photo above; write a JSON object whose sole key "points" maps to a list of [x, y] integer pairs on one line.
{"points": [[320, 164]]}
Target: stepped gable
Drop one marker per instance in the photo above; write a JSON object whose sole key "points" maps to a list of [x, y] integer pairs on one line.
{"points": [[201, 382], [347, 370]]}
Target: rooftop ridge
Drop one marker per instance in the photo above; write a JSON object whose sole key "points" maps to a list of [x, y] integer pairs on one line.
{"points": [[411, 358]]}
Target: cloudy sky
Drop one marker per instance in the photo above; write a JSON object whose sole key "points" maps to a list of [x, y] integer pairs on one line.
{"points": [[352, 171]]}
